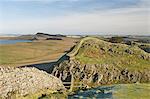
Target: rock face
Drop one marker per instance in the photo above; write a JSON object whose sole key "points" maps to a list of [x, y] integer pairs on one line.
{"points": [[24, 81], [98, 74], [145, 47], [94, 62]]}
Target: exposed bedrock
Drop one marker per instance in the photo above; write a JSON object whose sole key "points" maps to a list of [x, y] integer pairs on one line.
{"points": [[98, 74], [95, 62]]}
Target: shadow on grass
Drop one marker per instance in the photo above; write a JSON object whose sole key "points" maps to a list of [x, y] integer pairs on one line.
{"points": [[48, 66]]}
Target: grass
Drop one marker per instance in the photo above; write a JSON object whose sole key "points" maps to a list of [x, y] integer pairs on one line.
{"points": [[129, 62], [33, 52], [132, 91], [119, 91], [95, 51], [41, 94]]}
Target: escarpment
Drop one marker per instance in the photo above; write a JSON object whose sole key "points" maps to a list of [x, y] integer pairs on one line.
{"points": [[98, 74], [94, 62]]}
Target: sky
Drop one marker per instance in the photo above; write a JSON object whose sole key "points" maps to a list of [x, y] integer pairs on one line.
{"points": [[124, 17]]}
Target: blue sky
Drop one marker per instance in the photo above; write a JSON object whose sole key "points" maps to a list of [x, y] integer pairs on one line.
{"points": [[75, 16]]}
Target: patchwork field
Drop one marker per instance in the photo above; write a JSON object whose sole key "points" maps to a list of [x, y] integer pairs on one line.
{"points": [[34, 52]]}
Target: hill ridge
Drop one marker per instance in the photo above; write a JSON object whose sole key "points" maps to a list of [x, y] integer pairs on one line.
{"points": [[95, 62]]}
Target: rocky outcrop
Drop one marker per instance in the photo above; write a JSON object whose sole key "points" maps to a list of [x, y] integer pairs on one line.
{"points": [[26, 81], [98, 74], [94, 62], [145, 47]]}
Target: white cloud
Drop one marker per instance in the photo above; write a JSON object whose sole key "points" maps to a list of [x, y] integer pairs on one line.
{"points": [[95, 22], [133, 20]]}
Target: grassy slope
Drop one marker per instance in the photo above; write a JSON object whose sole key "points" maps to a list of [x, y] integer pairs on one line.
{"points": [[42, 94], [132, 91], [101, 52], [33, 52], [120, 91]]}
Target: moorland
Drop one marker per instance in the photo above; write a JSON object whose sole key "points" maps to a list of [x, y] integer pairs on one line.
{"points": [[35, 52], [100, 67]]}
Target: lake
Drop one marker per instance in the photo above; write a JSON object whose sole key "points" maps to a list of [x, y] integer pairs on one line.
{"points": [[2, 41]]}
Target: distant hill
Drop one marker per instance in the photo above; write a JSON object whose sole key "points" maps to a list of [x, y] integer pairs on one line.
{"points": [[44, 36], [25, 37], [41, 36]]}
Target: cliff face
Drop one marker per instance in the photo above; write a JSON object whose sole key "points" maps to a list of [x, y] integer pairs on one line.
{"points": [[94, 62], [98, 74], [21, 82]]}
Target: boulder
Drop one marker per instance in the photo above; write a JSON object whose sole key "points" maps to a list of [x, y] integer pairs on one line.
{"points": [[25, 81]]}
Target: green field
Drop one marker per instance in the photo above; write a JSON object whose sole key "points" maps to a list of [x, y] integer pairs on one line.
{"points": [[34, 52]]}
